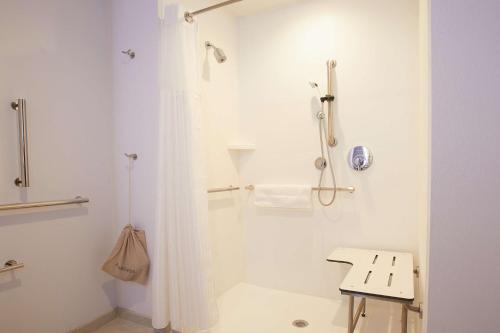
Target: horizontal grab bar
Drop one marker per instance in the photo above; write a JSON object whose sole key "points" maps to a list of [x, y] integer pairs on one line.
{"points": [[77, 200], [349, 189], [10, 266], [223, 189]]}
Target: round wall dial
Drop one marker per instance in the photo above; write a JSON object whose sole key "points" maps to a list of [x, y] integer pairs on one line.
{"points": [[360, 158]]}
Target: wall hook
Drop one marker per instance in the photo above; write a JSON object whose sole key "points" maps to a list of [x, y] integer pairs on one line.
{"points": [[131, 156], [130, 53]]}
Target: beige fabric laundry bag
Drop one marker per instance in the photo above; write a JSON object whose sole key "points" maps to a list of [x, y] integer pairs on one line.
{"points": [[129, 259]]}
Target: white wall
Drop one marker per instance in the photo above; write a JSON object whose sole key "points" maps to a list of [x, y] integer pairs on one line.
{"points": [[135, 115], [56, 54], [424, 156], [465, 187], [219, 94], [376, 47]]}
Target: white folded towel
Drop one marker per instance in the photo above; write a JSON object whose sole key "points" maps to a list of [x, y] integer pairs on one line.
{"points": [[283, 196]]}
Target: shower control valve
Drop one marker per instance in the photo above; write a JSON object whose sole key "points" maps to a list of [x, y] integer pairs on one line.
{"points": [[360, 158]]}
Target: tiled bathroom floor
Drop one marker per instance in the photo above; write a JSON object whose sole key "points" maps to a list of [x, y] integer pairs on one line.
{"points": [[120, 325], [248, 309]]}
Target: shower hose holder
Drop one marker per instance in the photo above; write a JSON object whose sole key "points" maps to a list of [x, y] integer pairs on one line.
{"points": [[327, 98]]}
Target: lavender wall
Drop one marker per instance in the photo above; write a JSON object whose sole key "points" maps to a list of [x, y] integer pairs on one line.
{"points": [[56, 54], [135, 114], [464, 273]]}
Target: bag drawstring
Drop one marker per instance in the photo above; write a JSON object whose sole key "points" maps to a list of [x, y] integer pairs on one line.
{"points": [[130, 191], [131, 158]]}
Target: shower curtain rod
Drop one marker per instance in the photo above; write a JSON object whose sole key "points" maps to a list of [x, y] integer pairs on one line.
{"points": [[189, 16]]}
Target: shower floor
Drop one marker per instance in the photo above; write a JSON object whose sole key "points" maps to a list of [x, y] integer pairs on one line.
{"points": [[248, 308]]}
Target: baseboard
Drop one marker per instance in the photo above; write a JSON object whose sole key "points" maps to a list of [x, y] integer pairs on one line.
{"points": [[134, 317], [121, 313], [96, 323], [163, 330], [139, 319]]}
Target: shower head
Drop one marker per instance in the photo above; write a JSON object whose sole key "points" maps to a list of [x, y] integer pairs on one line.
{"points": [[314, 85], [219, 54]]}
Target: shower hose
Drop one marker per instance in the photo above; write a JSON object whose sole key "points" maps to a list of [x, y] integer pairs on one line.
{"points": [[322, 134]]}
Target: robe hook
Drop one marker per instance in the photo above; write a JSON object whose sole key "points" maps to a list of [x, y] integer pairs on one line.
{"points": [[130, 53], [131, 156]]}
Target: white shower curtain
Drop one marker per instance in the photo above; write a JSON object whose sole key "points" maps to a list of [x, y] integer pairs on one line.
{"points": [[183, 288]]}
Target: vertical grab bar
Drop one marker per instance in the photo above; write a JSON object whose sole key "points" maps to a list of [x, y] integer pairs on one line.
{"points": [[330, 64], [24, 179]]}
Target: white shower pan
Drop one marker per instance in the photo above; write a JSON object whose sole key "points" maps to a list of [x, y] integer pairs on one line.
{"points": [[248, 308]]}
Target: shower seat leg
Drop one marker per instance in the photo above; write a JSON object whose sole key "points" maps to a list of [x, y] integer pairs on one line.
{"points": [[350, 319], [404, 319]]}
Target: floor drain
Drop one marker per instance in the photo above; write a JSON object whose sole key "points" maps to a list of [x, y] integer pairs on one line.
{"points": [[300, 323]]}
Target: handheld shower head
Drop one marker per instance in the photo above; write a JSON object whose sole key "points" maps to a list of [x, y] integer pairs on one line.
{"points": [[314, 85], [219, 54]]}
